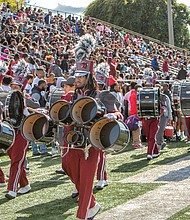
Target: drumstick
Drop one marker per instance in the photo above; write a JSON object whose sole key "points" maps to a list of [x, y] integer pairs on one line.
{"points": [[32, 109]]}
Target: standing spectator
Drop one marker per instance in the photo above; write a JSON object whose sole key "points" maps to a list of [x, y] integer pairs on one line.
{"points": [[48, 18], [6, 81], [28, 87], [40, 73], [188, 68], [56, 69], [182, 74], [154, 63], [112, 67], [37, 94], [165, 67]]}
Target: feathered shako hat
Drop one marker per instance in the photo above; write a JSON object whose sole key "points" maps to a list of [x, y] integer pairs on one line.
{"points": [[83, 49]]}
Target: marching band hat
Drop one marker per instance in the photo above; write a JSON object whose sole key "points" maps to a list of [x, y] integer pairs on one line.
{"points": [[84, 67]]}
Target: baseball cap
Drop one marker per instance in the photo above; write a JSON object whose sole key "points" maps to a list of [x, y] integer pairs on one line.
{"points": [[69, 81]]}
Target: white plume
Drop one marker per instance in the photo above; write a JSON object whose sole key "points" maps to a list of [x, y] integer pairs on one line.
{"points": [[102, 69], [3, 68], [84, 47]]}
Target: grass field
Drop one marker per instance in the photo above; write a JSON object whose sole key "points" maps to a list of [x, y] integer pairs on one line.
{"points": [[50, 196]]}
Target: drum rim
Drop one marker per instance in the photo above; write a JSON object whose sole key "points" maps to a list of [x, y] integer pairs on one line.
{"points": [[14, 135]]}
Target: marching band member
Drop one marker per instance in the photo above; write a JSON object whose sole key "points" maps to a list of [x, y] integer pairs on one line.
{"points": [[102, 76], [2, 175], [150, 124], [17, 154], [2, 178], [83, 169], [69, 89], [110, 101]]}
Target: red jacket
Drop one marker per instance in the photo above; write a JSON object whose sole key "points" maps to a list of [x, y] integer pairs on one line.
{"points": [[133, 102]]}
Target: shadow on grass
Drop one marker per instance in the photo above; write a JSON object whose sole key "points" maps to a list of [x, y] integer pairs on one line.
{"points": [[5, 163], [52, 182], [172, 159], [3, 200], [132, 166], [51, 210]]}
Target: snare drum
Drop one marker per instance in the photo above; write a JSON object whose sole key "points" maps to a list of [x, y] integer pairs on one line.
{"points": [[55, 96], [7, 136], [185, 98], [148, 102], [13, 106]]}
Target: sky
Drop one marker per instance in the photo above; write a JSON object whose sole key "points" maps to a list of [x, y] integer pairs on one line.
{"points": [[51, 4]]}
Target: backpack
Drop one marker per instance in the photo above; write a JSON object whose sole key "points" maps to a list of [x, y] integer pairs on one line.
{"points": [[132, 122]]}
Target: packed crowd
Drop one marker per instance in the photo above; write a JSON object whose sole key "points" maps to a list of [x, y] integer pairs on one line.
{"points": [[38, 57]]}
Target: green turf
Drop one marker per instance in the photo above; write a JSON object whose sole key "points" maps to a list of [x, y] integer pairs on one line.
{"points": [[50, 195], [182, 215]]}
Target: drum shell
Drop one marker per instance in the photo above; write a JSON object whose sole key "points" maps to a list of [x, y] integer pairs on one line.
{"points": [[13, 103], [55, 96], [185, 98], [148, 102], [86, 110], [75, 138], [37, 127], [60, 113], [7, 136], [109, 135]]}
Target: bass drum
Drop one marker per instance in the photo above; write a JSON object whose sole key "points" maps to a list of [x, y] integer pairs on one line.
{"points": [[13, 103], [38, 127], [185, 98], [148, 102], [7, 136], [54, 96], [109, 135]]}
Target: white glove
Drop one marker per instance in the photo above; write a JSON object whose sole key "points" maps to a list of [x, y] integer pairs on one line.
{"points": [[111, 116]]}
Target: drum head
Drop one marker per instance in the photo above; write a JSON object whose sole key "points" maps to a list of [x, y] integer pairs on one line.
{"points": [[109, 135], [14, 108]]}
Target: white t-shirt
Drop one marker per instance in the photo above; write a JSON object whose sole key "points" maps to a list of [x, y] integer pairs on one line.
{"points": [[5, 88]]}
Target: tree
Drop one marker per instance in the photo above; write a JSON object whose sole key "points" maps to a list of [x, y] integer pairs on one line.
{"points": [[13, 4], [148, 17]]}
